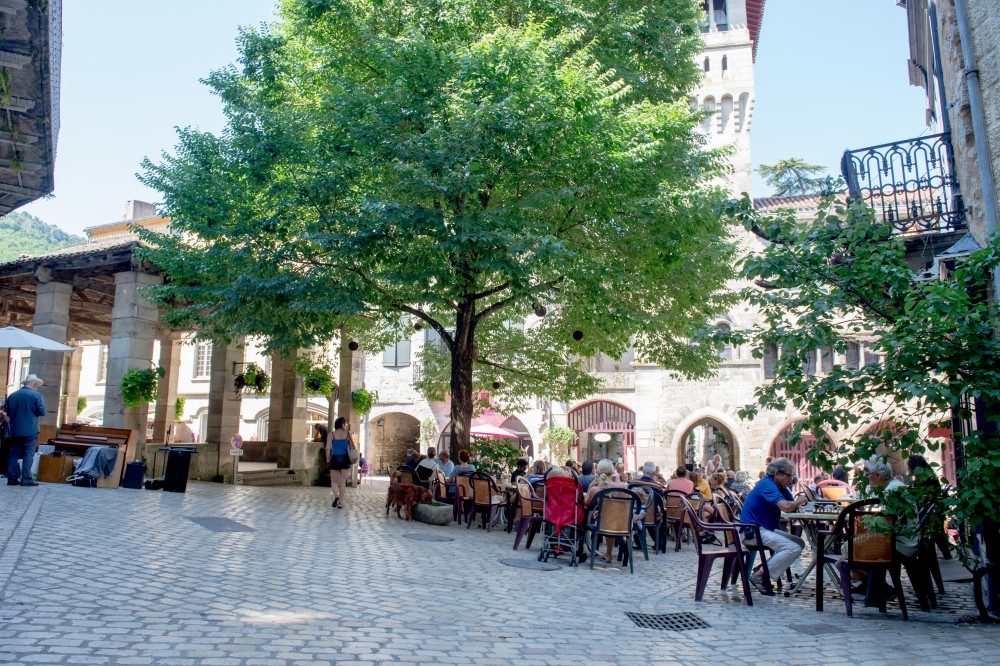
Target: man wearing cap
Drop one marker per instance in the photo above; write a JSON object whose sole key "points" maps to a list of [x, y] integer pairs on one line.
{"points": [[23, 407]]}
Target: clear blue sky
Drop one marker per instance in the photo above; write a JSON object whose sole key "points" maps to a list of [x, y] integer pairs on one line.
{"points": [[830, 75]]}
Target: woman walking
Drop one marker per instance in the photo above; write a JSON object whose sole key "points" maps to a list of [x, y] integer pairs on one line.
{"points": [[339, 462]]}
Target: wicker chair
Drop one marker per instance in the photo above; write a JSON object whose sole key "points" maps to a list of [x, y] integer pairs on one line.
{"points": [[611, 516], [463, 496], [486, 499]]}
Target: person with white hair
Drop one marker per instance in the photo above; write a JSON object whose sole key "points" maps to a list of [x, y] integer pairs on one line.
{"points": [[881, 479], [763, 507], [22, 409]]}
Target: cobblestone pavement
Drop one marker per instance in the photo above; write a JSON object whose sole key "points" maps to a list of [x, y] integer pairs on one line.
{"points": [[96, 576]]}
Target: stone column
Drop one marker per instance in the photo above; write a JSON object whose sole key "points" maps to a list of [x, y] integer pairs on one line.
{"points": [[51, 320], [287, 423], [349, 379], [223, 402], [133, 329], [72, 384], [164, 413]]}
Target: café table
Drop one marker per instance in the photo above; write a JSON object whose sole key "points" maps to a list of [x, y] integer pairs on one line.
{"points": [[811, 522]]}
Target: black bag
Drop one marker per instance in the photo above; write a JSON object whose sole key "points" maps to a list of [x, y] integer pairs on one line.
{"points": [[135, 472], [340, 461]]}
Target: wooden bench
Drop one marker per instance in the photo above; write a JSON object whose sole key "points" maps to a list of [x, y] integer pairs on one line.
{"points": [[76, 439]]}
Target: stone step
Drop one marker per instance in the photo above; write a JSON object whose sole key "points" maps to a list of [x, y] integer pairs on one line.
{"points": [[271, 477]]}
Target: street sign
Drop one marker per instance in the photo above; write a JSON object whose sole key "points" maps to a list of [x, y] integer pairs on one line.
{"points": [[236, 452], [236, 442]]}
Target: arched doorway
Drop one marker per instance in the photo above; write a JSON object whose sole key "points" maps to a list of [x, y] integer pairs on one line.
{"points": [[705, 438], [523, 436], [782, 447], [604, 429], [390, 435]]}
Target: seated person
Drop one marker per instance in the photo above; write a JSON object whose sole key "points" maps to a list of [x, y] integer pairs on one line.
{"points": [[681, 482], [605, 479], [570, 466], [445, 464], [463, 463], [520, 470], [412, 458], [648, 473], [701, 485], [730, 479], [879, 474], [740, 485], [763, 507], [427, 465], [538, 469], [587, 477]]}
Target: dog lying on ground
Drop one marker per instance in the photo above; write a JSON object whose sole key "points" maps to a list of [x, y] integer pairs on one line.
{"points": [[406, 497]]}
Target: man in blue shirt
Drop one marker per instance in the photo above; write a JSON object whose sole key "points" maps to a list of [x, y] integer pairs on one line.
{"points": [[23, 407], [763, 507]]}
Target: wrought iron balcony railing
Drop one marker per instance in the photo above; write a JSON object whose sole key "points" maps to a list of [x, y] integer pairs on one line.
{"points": [[910, 184]]}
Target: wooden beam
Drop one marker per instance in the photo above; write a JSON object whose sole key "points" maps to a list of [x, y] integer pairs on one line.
{"points": [[19, 104], [14, 60], [23, 166], [22, 139]]}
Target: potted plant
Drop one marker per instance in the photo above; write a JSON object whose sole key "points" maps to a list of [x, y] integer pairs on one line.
{"points": [[252, 381], [558, 439], [362, 400], [139, 386]]}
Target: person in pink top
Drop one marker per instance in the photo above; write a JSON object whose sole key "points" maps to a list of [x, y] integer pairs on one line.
{"points": [[681, 483]]}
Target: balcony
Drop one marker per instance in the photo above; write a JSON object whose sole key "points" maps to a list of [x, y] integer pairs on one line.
{"points": [[909, 184]]}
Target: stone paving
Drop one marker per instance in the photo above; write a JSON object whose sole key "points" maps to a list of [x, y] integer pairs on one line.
{"points": [[276, 576]]}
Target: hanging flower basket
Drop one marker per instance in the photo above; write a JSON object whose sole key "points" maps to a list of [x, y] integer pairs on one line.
{"points": [[252, 381], [138, 387], [362, 401]]}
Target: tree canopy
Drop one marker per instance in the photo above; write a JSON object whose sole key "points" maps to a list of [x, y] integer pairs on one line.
{"points": [[458, 165], [793, 176], [933, 353]]}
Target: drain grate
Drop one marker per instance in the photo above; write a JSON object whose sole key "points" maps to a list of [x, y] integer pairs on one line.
{"points": [[668, 621]]}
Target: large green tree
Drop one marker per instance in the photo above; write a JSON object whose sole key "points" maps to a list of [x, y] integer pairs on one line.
{"points": [[456, 165]]}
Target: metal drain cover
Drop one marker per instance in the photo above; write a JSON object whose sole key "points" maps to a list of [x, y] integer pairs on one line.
{"points": [[668, 621], [217, 524], [427, 537], [531, 564]]}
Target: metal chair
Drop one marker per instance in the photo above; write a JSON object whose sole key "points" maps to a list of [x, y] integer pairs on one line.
{"points": [[612, 510], [730, 550], [486, 499], [530, 506]]}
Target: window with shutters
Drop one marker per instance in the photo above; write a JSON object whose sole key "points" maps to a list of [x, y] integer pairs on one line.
{"points": [[397, 355], [770, 361]]}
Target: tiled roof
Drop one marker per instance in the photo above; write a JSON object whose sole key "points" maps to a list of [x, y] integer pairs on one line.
{"points": [[795, 202], [75, 251], [755, 16]]}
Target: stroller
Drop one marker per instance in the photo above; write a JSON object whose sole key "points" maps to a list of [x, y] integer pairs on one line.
{"points": [[562, 519]]}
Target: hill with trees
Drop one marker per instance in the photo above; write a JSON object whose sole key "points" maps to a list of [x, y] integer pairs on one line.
{"points": [[23, 233]]}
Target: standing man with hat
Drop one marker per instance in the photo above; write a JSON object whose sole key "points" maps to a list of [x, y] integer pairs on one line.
{"points": [[23, 407]]}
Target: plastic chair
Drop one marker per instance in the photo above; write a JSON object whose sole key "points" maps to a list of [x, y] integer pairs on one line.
{"points": [[463, 496], [486, 499], [612, 510], [730, 550], [867, 550], [530, 506]]}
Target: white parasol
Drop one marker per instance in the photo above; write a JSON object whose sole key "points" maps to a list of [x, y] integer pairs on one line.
{"points": [[15, 338], [486, 430]]}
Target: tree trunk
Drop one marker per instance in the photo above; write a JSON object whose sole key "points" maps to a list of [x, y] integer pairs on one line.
{"points": [[462, 355]]}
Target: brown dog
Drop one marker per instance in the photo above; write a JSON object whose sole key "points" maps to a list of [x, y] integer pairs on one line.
{"points": [[406, 497]]}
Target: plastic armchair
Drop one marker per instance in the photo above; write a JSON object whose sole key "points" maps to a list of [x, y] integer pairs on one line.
{"points": [[530, 506], [730, 550]]}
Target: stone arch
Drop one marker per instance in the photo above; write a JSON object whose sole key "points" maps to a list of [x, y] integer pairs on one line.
{"points": [[515, 424], [725, 113], [709, 107], [707, 424], [781, 447], [744, 112], [389, 435], [597, 417]]}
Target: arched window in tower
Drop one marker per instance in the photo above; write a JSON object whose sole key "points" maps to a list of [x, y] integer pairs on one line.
{"points": [[726, 114], [709, 107], [708, 65], [726, 353], [744, 112], [725, 64]]}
